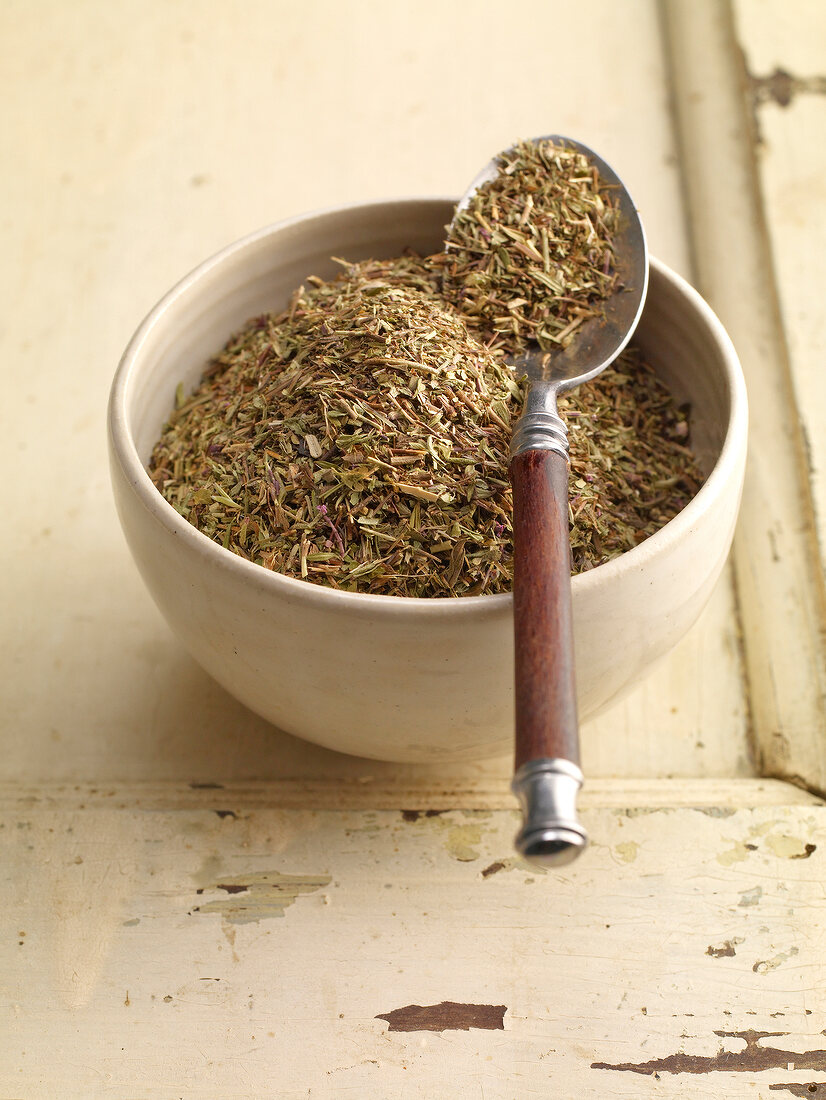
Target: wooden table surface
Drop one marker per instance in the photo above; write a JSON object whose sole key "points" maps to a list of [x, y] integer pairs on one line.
{"points": [[199, 905]]}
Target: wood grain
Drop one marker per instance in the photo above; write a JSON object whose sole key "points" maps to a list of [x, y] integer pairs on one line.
{"points": [[778, 572], [545, 693], [125, 974], [127, 771]]}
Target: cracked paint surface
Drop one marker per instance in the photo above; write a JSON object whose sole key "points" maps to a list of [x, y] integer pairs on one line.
{"points": [[764, 966], [260, 895], [762, 838]]}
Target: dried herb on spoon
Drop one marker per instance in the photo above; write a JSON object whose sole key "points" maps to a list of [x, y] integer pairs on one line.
{"points": [[529, 258]]}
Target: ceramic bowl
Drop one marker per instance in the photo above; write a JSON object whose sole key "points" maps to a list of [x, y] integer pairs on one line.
{"points": [[384, 676]]}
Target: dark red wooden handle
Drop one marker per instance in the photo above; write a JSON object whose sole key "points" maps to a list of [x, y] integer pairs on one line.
{"points": [[546, 718]]}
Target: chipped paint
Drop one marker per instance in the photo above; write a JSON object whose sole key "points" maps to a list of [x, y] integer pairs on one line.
{"points": [[790, 847], [446, 1016], [750, 897], [781, 87], [497, 866], [753, 1058], [733, 855], [414, 815], [765, 966], [260, 895], [779, 844], [513, 863], [462, 842], [726, 949], [627, 852]]}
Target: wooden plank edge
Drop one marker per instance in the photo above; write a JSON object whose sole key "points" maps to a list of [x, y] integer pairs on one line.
{"points": [[337, 794], [780, 587]]}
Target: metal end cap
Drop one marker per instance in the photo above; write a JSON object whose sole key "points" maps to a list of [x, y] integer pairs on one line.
{"points": [[551, 847]]}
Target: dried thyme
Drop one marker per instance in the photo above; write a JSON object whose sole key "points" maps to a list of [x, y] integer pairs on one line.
{"points": [[631, 468], [360, 440], [529, 258]]}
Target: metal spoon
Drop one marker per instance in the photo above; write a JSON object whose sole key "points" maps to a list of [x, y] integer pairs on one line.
{"points": [[547, 775]]}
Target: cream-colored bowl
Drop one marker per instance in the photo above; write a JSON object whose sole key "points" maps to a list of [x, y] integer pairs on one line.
{"points": [[385, 676]]}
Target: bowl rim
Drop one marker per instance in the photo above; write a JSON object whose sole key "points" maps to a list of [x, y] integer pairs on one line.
{"points": [[124, 451]]}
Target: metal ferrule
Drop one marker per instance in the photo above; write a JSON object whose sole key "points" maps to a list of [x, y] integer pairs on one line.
{"points": [[551, 834], [540, 427]]}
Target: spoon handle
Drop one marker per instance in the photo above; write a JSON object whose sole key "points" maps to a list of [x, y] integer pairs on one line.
{"points": [[547, 775]]}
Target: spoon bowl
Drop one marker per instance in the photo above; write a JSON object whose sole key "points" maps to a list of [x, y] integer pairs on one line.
{"points": [[601, 339]]}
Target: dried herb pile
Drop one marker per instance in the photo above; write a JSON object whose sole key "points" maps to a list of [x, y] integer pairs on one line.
{"points": [[631, 468], [530, 257], [360, 440]]}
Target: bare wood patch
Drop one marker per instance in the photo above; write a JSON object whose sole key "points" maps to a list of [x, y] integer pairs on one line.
{"points": [[753, 1058], [726, 950], [781, 87], [260, 895], [446, 1016]]}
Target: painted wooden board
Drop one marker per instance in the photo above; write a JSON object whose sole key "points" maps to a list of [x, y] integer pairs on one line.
{"points": [[785, 56], [116, 196], [194, 904], [244, 951]]}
